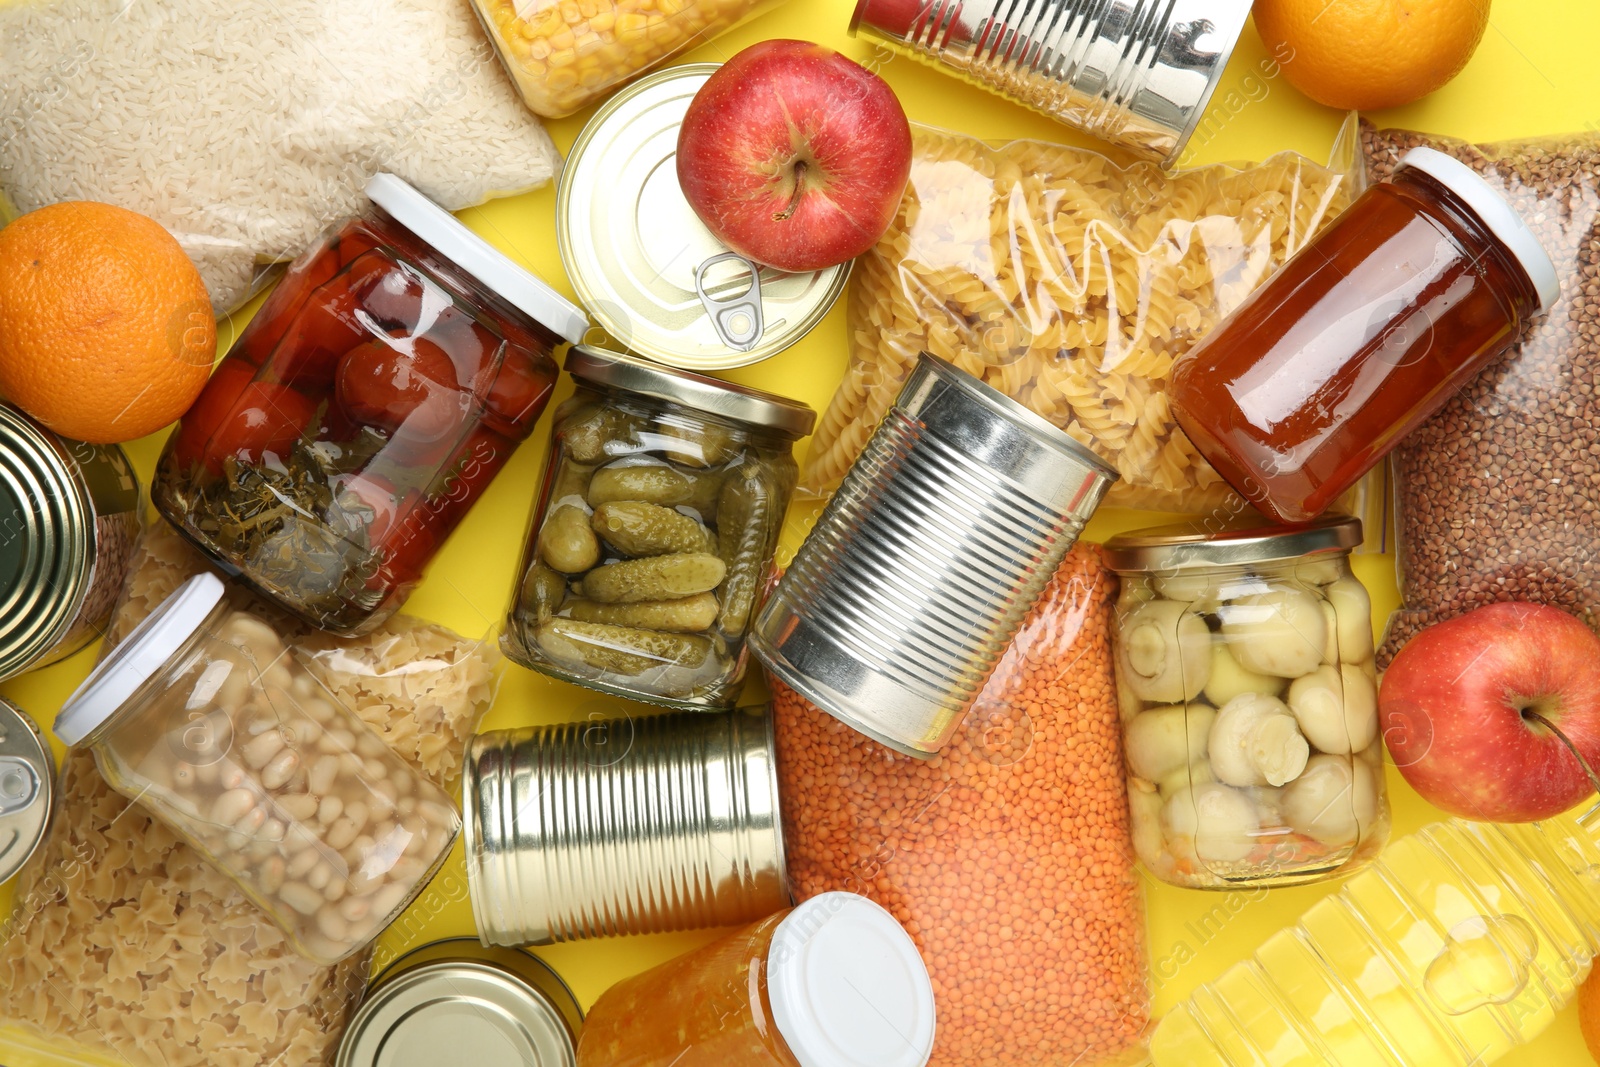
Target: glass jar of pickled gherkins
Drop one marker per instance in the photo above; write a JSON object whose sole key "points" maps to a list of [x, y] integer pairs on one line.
{"points": [[1245, 677], [565, 54], [653, 534], [835, 982], [364, 410], [204, 716]]}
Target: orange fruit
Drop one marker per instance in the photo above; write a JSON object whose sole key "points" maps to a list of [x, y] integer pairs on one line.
{"points": [[1589, 1012], [106, 331], [1370, 54]]}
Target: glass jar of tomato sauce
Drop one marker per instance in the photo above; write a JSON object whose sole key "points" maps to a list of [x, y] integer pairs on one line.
{"points": [[364, 410], [835, 982], [1361, 336]]}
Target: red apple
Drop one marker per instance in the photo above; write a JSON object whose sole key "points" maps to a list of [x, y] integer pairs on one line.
{"points": [[1461, 707], [794, 156]]}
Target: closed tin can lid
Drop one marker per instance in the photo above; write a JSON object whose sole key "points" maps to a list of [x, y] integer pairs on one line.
{"points": [[455, 1001], [27, 789], [1203, 543], [632, 245], [46, 542]]}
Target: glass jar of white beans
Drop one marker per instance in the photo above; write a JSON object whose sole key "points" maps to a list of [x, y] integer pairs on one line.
{"points": [[205, 717]]}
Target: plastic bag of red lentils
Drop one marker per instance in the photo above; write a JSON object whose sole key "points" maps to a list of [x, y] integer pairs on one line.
{"points": [[1008, 856]]}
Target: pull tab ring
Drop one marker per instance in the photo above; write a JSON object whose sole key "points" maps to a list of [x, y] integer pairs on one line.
{"points": [[19, 784], [737, 319]]}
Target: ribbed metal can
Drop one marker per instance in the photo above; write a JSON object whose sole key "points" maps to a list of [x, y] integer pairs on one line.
{"points": [[1137, 73], [905, 594], [623, 826]]}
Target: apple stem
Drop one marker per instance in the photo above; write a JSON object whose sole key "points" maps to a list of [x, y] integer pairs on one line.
{"points": [[799, 188], [1594, 780]]}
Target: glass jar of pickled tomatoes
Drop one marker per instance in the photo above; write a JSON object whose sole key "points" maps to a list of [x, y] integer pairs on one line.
{"points": [[364, 410], [1361, 336], [835, 982]]}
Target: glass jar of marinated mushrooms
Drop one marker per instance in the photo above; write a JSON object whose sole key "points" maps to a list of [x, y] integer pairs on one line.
{"points": [[203, 715], [1248, 693], [653, 534]]}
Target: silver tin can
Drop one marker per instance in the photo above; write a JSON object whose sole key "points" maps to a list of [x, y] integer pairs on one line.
{"points": [[640, 259], [69, 518], [455, 1001], [623, 826], [906, 593], [27, 788], [1137, 73]]}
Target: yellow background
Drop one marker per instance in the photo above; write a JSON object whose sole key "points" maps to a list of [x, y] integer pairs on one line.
{"points": [[1535, 73]]}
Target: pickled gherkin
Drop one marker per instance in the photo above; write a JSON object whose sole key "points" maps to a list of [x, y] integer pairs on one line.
{"points": [[619, 649], [654, 578], [636, 528], [654, 531], [748, 526], [655, 483], [690, 614]]}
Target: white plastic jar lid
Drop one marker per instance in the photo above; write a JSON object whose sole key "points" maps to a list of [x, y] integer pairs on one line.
{"points": [[1493, 211], [847, 986], [140, 655], [477, 257]]}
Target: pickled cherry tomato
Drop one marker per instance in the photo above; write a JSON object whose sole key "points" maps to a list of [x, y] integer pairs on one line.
{"points": [[390, 382], [308, 352], [213, 405], [518, 393], [236, 416], [393, 301]]}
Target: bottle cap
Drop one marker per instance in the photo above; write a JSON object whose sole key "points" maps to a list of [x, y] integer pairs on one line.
{"points": [[848, 988], [477, 257], [140, 655], [1492, 210]]}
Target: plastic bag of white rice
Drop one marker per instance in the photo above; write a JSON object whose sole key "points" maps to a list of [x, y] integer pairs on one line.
{"points": [[245, 128]]}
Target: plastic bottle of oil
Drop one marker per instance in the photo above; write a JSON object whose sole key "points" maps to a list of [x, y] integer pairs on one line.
{"points": [[1462, 943]]}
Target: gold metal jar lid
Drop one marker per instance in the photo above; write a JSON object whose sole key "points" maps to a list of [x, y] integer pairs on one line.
{"points": [[633, 246], [455, 1001], [27, 788], [46, 542], [725, 400], [1210, 543]]}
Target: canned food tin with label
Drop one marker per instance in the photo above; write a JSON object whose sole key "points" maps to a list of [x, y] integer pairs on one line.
{"points": [[69, 517], [27, 789], [642, 262], [455, 1001]]}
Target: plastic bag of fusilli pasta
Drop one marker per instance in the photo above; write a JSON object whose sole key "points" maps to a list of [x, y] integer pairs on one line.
{"points": [[1070, 284]]}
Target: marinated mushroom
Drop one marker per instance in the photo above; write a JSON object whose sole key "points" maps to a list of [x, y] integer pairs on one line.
{"points": [[1334, 801], [1352, 607], [1144, 810], [1196, 773], [1229, 680], [1255, 741], [1281, 632], [1165, 652], [1320, 571], [1221, 821], [1337, 708], [1162, 740]]}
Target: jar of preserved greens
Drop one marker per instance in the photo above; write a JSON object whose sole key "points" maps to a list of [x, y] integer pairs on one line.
{"points": [[203, 715], [653, 534], [1245, 676], [364, 410]]}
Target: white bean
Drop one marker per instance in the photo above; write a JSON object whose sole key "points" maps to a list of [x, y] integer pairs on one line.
{"points": [[330, 809], [318, 709], [376, 770], [332, 926], [272, 873], [319, 876], [389, 898], [355, 853], [299, 806], [231, 806], [276, 774], [334, 890], [350, 764], [273, 830], [251, 821], [337, 741], [370, 745], [356, 812], [302, 862], [301, 897], [303, 686], [341, 833], [259, 750], [355, 908], [323, 771], [231, 776]]}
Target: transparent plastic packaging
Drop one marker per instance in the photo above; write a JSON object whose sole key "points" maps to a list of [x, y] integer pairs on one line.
{"points": [[1008, 856], [204, 716], [1496, 497], [652, 538], [565, 54], [247, 153], [1461, 943], [126, 946], [1069, 284], [1249, 703], [363, 411]]}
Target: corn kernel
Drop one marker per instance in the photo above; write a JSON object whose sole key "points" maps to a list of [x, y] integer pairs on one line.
{"points": [[603, 21], [562, 80]]}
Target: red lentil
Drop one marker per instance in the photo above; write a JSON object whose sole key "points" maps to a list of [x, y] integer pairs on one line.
{"points": [[1008, 856]]}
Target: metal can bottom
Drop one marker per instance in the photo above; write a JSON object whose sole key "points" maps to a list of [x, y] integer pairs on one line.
{"points": [[455, 1001]]}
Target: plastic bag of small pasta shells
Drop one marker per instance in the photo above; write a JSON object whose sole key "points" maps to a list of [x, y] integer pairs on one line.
{"points": [[125, 947], [1070, 284]]}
